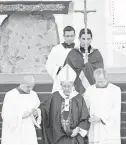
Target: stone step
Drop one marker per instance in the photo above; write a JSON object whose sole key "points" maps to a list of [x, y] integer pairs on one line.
{"points": [[123, 132], [46, 87], [123, 107], [123, 116], [123, 140], [123, 99], [123, 124], [121, 85], [44, 95]]}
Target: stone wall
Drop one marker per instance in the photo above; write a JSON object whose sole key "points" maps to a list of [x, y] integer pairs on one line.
{"points": [[25, 42]]}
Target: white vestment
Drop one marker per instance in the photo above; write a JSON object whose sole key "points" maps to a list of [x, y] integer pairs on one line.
{"points": [[105, 103], [55, 61], [15, 129]]}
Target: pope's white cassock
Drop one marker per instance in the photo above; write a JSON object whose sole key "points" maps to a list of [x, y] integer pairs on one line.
{"points": [[105, 103], [16, 130]]}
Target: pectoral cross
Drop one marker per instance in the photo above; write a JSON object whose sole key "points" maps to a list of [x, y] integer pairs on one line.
{"points": [[85, 12]]}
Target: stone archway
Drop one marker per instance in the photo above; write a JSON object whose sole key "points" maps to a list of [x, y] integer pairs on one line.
{"points": [[25, 42]]}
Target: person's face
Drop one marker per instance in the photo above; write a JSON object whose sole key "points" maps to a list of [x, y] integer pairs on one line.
{"points": [[28, 87], [83, 40], [100, 80], [69, 37], [67, 87]]}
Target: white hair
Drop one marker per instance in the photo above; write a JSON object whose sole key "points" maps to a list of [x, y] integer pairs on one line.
{"points": [[100, 72]]}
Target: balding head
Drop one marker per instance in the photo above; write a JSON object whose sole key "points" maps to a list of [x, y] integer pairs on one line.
{"points": [[29, 80], [100, 73], [100, 76], [27, 83]]}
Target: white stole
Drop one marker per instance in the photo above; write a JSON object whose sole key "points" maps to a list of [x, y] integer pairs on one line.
{"points": [[67, 99]]}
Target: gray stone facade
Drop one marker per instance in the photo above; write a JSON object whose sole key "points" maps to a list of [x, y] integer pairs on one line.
{"points": [[25, 42]]}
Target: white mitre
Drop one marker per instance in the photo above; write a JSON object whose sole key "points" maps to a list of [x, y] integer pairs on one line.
{"points": [[67, 74]]}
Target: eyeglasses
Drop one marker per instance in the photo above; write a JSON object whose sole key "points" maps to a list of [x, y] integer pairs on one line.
{"points": [[69, 36]]}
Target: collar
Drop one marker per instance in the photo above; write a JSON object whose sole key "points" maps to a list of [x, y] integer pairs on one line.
{"points": [[72, 95], [105, 86], [66, 45], [67, 99], [82, 49], [21, 91]]}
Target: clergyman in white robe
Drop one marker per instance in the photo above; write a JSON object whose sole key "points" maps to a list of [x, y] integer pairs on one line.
{"points": [[15, 129], [105, 103], [58, 55]]}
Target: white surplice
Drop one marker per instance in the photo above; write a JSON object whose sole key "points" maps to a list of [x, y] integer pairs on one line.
{"points": [[16, 130], [106, 104], [55, 61]]}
